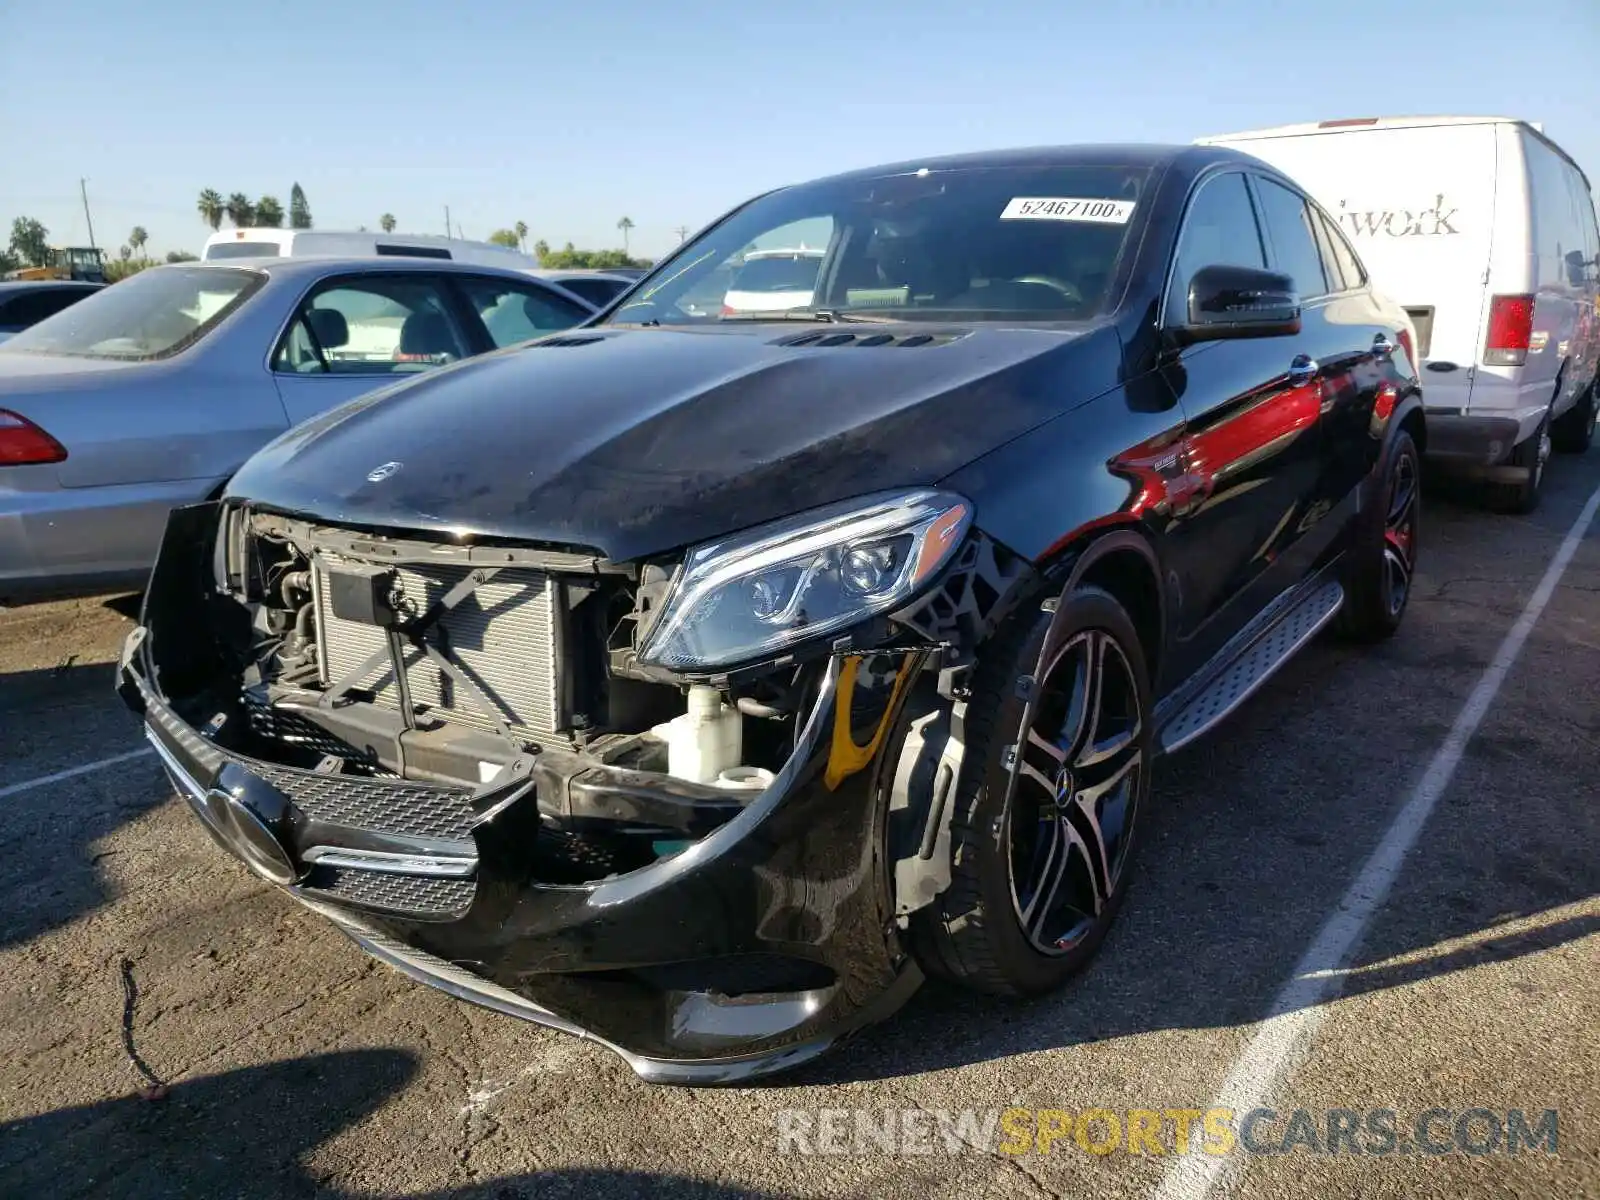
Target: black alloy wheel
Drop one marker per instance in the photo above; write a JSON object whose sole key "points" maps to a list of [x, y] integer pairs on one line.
{"points": [[1071, 817], [1056, 773], [1381, 561], [1400, 533]]}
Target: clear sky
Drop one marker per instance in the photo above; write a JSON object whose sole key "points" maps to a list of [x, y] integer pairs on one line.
{"points": [[570, 116]]}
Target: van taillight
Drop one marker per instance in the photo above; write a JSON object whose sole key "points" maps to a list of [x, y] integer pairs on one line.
{"points": [[1510, 331], [22, 443]]}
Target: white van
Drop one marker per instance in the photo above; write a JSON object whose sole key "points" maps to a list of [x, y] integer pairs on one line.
{"points": [[1484, 230], [295, 243]]}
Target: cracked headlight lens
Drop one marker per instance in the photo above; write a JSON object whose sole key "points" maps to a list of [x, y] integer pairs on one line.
{"points": [[757, 593]]}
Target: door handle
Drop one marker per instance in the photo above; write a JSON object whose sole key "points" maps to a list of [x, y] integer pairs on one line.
{"points": [[1303, 369], [1382, 347]]}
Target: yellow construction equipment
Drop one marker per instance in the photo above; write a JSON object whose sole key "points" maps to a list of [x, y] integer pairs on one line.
{"points": [[67, 262]]}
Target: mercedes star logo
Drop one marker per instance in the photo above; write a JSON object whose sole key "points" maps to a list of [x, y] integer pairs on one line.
{"points": [[379, 474]]}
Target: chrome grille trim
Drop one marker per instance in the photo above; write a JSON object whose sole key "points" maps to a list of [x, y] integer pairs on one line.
{"points": [[502, 637]]}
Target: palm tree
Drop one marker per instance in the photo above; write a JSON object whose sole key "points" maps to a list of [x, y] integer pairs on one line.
{"points": [[387, 222], [522, 235], [625, 224], [211, 209], [137, 239], [541, 249], [268, 213], [239, 209]]}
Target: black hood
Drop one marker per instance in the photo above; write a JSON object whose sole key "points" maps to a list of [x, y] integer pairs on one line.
{"points": [[636, 442]]}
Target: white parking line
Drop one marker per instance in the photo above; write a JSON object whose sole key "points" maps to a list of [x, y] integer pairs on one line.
{"points": [[13, 789], [1300, 1008]]}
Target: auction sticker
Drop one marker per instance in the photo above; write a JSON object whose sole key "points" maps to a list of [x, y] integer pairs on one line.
{"points": [[1068, 208]]}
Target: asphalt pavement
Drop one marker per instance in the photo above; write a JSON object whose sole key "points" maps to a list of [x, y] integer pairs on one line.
{"points": [[290, 1065]]}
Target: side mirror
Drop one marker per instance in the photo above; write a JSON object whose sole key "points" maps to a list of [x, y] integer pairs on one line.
{"points": [[1239, 302], [1577, 269]]}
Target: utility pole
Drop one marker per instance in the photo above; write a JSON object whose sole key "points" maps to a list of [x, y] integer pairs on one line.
{"points": [[447, 220], [682, 231], [83, 190]]}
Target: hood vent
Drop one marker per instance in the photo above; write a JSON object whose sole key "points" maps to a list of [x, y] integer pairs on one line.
{"points": [[870, 339], [573, 341]]}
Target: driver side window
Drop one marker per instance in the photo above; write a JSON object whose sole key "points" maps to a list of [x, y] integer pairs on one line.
{"points": [[1219, 229]]}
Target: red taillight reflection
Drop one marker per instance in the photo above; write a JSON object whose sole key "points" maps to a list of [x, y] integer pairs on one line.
{"points": [[22, 443], [1510, 331]]}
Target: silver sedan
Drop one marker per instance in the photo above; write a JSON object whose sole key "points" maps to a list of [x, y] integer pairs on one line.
{"points": [[151, 393]]}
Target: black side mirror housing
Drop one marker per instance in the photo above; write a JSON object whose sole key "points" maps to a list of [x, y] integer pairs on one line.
{"points": [[1239, 302]]}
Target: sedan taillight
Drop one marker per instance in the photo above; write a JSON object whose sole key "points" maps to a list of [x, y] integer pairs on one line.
{"points": [[22, 443]]}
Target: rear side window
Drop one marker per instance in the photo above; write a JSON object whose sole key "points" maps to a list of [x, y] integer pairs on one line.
{"points": [[1219, 230], [32, 307], [1558, 228], [515, 313], [598, 292], [1294, 246], [1338, 259], [380, 325]]}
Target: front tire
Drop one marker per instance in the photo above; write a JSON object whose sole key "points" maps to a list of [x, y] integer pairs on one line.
{"points": [[1047, 805]]}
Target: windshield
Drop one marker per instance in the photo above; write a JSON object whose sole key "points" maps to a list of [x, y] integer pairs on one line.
{"points": [[153, 314], [1035, 243]]}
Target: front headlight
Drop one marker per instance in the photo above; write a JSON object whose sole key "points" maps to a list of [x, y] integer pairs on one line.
{"points": [[755, 594]]}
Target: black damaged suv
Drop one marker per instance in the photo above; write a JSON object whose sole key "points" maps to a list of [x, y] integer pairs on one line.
{"points": [[698, 679]]}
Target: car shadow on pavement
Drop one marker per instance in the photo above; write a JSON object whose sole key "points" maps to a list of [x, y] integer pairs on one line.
{"points": [[238, 1134], [248, 1133], [53, 720]]}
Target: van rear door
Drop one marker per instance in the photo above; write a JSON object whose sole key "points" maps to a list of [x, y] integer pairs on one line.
{"points": [[1419, 204]]}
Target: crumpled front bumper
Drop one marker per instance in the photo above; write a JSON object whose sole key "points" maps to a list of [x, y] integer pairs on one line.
{"points": [[793, 888]]}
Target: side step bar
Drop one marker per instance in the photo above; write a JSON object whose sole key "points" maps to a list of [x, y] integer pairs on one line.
{"points": [[1237, 681]]}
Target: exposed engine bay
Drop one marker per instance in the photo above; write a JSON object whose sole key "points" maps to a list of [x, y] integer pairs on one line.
{"points": [[363, 657]]}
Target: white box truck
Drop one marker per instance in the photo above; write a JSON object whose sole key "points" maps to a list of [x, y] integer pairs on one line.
{"points": [[1483, 229]]}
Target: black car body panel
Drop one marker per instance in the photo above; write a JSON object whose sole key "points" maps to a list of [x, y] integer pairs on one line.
{"points": [[1222, 474], [642, 441]]}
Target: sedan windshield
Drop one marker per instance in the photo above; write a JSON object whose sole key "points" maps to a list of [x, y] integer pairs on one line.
{"points": [[1033, 243], [153, 314]]}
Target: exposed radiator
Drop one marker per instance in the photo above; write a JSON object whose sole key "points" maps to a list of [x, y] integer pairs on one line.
{"points": [[502, 637]]}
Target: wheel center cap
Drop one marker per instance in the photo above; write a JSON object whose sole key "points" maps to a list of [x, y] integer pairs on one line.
{"points": [[1066, 784]]}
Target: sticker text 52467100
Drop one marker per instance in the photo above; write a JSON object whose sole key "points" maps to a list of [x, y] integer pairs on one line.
{"points": [[1068, 208]]}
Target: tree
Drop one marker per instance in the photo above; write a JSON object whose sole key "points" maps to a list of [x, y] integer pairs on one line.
{"points": [[125, 253], [176, 256], [541, 250], [299, 210], [30, 241], [504, 237], [137, 239], [240, 211], [625, 225], [387, 222], [522, 236], [211, 208], [268, 213], [8, 261]]}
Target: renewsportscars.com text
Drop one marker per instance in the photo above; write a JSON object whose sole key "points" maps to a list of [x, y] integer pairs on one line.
{"points": [[1377, 1132]]}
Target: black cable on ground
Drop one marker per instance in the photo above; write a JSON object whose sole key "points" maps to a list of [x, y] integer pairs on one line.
{"points": [[154, 1088]]}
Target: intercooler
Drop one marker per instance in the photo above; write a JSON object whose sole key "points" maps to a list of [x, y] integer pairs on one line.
{"points": [[502, 637]]}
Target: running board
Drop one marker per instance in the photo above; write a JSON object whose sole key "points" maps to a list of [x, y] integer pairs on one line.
{"points": [[1238, 681]]}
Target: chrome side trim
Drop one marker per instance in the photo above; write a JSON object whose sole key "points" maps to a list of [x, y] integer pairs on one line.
{"points": [[435, 865]]}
